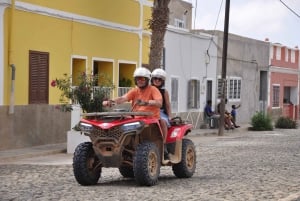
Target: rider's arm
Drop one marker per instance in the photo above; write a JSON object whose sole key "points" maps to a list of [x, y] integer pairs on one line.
{"points": [[156, 98], [156, 103], [118, 100]]}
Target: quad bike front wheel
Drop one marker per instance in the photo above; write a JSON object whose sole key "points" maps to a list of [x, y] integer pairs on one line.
{"points": [[86, 166], [146, 164], [186, 167]]}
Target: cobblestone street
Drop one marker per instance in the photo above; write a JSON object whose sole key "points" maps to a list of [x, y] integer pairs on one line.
{"points": [[237, 166]]}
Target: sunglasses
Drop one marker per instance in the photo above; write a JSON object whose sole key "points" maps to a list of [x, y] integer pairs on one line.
{"points": [[157, 78], [140, 78]]}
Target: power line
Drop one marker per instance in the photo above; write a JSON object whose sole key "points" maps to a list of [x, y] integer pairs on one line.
{"points": [[215, 26], [290, 8]]}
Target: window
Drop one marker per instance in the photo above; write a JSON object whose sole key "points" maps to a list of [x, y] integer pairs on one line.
{"points": [[78, 67], [220, 89], [179, 23], [174, 94], [293, 56], [271, 52], [38, 77], [209, 89], [275, 102], [286, 54], [235, 89], [193, 93], [286, 94], [278, 53]]}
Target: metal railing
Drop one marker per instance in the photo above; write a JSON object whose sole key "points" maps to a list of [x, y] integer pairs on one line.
{"points": [[107, 91], [123, 90]]}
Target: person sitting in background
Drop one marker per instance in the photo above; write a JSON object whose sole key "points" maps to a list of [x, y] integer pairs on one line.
{"points": [[208, 111], [211, 117], [228, 124]]}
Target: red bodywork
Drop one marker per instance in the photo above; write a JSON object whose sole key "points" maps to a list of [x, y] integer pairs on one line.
{"points": [[176, 132]]}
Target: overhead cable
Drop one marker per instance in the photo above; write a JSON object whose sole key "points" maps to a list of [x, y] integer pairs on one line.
{"points": [[290, 8], [215, 26]]}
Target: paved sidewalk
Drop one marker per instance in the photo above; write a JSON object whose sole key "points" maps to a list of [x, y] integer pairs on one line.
{"points": [[15, 154], [49, 149]]}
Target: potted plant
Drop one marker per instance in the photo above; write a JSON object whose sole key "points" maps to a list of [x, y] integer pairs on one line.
{"points": [[84, 96]]}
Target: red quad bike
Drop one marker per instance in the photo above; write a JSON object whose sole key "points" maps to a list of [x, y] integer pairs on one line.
{"points": [[132, 142]]}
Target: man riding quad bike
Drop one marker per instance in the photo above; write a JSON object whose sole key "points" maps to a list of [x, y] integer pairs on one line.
{"points": [[133, 141]]}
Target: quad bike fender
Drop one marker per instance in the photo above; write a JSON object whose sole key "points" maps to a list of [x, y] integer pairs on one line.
{"points": [[175, 135], [178, 132]]}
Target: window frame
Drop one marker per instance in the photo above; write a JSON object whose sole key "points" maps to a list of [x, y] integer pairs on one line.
{"points": [[293, 56], [229, 91], [178, 22], [275, 95], [174, 95], [193, 93], [278, 53], [234, 93]]}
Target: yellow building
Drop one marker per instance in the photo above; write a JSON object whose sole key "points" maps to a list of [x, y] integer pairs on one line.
{"points": [[41, 40]]}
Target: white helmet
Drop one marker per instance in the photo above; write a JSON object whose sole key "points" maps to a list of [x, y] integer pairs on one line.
{"points": [[160, 73], [142, 72]]}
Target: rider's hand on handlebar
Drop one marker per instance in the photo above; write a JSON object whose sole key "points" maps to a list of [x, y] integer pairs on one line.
{"points": [[141, 102], [108, 103]]}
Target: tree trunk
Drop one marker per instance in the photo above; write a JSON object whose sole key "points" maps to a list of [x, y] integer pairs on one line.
{"points": [[158, 24]]}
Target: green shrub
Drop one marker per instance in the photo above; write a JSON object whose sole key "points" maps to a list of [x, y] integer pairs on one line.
{"points": [[285, 122], [89, 94], [124, 82], [261, 122]]}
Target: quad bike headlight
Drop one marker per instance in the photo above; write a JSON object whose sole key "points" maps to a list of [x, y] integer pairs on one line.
{"points": [[132, 126], [86, 128]]}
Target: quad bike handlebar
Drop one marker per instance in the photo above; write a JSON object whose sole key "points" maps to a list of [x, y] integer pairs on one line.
{"points": [[116, 114]]}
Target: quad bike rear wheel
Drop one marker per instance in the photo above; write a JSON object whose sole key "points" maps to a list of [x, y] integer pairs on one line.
{"points": [[186, 167], [146, 164], [86, 166]]}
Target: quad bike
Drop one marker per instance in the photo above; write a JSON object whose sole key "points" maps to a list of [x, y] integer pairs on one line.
{"points": [[133, 143]]}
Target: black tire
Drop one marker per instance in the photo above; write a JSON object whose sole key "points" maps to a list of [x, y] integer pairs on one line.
{"points": [[146, 164], [186, 167], [126, 171], [85, 163]]}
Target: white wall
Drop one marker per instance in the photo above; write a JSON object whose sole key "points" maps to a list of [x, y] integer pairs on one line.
{"points": [[185, 59]]}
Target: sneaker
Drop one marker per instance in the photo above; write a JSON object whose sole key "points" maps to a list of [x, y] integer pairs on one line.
{"points": [[166, 154]]}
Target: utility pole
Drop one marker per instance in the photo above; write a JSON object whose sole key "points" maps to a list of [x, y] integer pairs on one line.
{"points": [[224, 62]]}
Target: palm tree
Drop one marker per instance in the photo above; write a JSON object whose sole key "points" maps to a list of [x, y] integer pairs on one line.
{"points": [[158, 24]]}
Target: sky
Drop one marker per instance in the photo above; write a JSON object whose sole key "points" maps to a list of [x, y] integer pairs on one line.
{"points": [[258, 19]]}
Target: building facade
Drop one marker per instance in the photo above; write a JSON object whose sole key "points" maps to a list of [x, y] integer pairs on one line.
{"points": [[43, 40], [246, 73], [191, 72], [284, 72]]}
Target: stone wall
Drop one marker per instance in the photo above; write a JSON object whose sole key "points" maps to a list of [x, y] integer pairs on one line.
{"points": [[32, 125]]}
